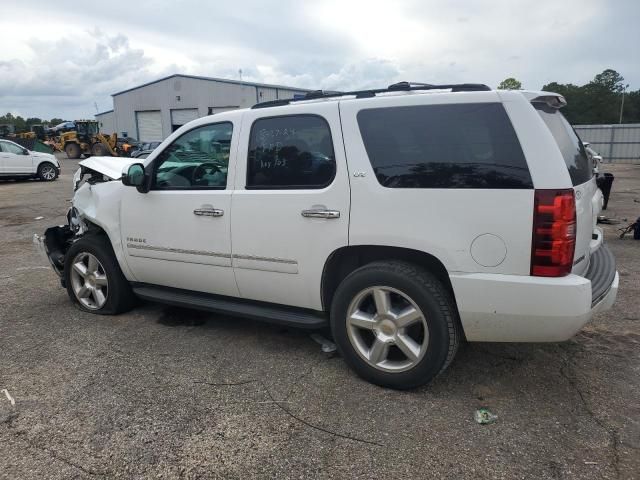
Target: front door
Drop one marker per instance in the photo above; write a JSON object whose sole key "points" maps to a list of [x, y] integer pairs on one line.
{"points": [[291, 203], [14, 159], [178, 234]]}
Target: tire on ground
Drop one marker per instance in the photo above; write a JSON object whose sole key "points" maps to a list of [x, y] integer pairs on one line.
{"points": [[432, 298], [44, 170], [120, 297], [72, 150], [99, 150]]}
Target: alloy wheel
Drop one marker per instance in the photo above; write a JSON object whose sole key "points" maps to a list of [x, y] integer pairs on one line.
{"points": [[387, 329], [89, 281], [48, 172]]}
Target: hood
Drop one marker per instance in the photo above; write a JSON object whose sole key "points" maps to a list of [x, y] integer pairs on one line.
{"points": [[109, 166]]}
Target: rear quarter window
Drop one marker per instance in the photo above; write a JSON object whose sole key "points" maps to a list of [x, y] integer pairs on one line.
{"points": [[572, 149], [444, 146]]}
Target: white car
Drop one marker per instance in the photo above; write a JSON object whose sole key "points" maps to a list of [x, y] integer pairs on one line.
{"points": [[406, 219], [17, 161]]}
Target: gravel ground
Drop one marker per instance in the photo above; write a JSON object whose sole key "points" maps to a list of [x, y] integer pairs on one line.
{"points": [[168, 393]]}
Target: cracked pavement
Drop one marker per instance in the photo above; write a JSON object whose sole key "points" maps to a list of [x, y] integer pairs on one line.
{"points": [[172, 393]]}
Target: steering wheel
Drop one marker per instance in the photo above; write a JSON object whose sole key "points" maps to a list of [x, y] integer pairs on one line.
{"points": [[206, 168]]}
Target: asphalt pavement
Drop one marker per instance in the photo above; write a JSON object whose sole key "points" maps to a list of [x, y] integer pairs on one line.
{"points": [[172, 393]]}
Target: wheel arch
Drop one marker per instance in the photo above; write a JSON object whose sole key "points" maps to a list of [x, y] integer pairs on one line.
{"points": [[96, 228], [345, 260]]}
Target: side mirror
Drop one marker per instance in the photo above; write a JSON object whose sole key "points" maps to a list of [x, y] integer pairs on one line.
{"points": [[25, 152], [134, 176]]}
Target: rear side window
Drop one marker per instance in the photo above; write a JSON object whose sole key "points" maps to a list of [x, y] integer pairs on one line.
{"points": [[294, 151], [573, 152], [444, 146]]}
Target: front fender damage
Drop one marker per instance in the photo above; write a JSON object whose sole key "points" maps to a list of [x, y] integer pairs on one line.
{"points": [[93, 197]]}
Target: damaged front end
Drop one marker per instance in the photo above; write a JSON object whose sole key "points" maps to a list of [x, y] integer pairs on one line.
{"points": [[56, 241], [53, 246]]}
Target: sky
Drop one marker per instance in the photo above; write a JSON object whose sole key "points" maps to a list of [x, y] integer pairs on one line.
{"points": [[64, 59]]}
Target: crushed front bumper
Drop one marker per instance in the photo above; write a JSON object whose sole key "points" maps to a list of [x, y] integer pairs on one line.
{"points": [[53, 246]]}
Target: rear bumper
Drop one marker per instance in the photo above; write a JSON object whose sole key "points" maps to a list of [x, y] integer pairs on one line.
{"points": [[512, 308]]}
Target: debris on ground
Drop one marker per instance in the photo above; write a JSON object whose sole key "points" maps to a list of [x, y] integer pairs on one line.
{"points": [[607, 220], [484, 417], [633, 227], [327, 345], [9, 397], [38, 218]]}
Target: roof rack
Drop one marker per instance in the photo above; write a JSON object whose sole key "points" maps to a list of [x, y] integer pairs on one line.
{"points": [[396, 87]]}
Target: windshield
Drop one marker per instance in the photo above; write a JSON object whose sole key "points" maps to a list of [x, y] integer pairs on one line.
{"points": [[572, 148]]}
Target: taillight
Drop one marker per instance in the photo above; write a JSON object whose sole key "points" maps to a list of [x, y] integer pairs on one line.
{"points": [[554, 233]]}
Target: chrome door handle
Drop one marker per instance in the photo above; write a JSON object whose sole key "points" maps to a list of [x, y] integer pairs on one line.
{"points": [[320, 213], [208, 212]]}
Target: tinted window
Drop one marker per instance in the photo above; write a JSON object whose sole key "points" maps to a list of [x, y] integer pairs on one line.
{"points": [[198, 158], [444, 146], [290, 152], [573, 152]]}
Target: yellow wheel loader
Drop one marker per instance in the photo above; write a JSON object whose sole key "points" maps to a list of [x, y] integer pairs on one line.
{"points": [[87, 140]]}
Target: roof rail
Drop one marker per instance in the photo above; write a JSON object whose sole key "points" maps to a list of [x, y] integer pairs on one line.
{"points": [[396, 87]]}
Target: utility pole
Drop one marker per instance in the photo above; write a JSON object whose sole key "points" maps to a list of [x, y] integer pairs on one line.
{"points": [[622, 103]]}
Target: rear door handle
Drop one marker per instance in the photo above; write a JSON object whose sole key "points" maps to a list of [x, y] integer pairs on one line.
{"points": [[208, 212], [320, 213]]}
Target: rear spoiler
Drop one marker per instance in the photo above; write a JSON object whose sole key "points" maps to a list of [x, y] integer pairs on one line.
{"points": [[554, 101]]}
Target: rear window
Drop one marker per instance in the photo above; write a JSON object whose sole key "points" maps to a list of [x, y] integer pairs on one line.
{"points": [[573, 152], [444, 146]]}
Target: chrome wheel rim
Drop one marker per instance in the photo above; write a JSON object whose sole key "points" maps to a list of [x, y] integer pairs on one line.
{"points": [[89, 281], [48, 173], [387, 329]]}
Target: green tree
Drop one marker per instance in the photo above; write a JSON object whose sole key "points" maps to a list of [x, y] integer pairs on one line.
{"points": [[598, 102], [55, 121], [33, 121], [510, 84]]}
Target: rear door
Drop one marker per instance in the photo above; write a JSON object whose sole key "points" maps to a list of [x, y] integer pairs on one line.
{"points": [[290, 207], [582, 177]]}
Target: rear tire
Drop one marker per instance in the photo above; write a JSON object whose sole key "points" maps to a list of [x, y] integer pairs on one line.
{"points": [[99, 150], [72, 150], [93, 278], [395, 324], [47, 172]]}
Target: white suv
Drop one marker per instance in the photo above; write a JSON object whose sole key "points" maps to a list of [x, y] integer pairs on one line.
{"points": [[17, 161], [406, 219]]}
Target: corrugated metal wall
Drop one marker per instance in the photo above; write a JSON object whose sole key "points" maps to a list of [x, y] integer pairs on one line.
{"points": [[615, 143], [107, 122], [180, 93]]}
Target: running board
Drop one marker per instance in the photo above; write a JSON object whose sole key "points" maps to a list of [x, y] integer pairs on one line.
{"points": [[266, 312]]}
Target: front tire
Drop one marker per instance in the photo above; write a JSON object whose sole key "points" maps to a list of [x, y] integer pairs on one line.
{"points": [[72, 150], [395, 324], [93, 277], [99, 150], [47, 172]]}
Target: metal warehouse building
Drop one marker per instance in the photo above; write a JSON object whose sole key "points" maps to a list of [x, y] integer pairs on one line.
{"points": [[151, 112]]}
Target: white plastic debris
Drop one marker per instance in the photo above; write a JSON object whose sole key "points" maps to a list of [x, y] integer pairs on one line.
{"points": [[327, 345], [38, 218], [9, 397]]}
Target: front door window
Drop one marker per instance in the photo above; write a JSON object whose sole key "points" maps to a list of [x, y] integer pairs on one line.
{"points": [[198, 159]]}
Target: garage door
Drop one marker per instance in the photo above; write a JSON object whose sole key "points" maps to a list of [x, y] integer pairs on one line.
{"points": [[149, 126], [214, 110], [180, 116]]}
